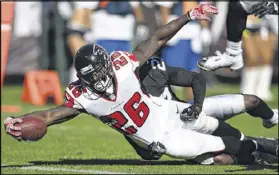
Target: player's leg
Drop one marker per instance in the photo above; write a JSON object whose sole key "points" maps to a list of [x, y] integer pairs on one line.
{"points": [[204, 159], [267, 41], [235, 24], [256, 107], [209, 125], [186, 144], [203, 124], [226, 106], [232, 57], [223, 130], [251, 70], [225, 159], [267, 153]]}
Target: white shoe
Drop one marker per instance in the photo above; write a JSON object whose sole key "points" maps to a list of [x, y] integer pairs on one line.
{"points": [[225, 60], [273, 121]]}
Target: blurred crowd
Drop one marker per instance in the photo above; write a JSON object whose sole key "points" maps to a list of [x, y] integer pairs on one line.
{"points": [[45, 37]]}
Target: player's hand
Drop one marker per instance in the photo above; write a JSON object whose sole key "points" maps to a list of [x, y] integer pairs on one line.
{"points": [[201, 12], [11, 129], [157, 149], [263, 8], [190, 113]]}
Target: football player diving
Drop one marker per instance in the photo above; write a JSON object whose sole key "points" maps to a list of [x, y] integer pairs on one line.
{"points": [[157, 77], [109, 90]]}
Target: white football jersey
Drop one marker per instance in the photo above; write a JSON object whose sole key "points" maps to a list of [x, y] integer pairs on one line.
{"points": [[132, 112]]}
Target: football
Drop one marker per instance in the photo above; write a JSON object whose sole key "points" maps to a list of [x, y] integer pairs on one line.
{"points": [[32, 129]]}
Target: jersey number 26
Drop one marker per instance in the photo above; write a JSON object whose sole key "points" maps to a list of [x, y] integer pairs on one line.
{"points": [[136, 110]]}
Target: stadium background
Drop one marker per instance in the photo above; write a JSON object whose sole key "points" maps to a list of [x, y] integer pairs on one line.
{"points": [[38, 42]]}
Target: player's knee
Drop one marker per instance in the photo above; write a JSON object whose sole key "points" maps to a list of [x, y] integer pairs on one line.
{"points": [[251, 102], [223, 159], [232, 145], [204, 124]]}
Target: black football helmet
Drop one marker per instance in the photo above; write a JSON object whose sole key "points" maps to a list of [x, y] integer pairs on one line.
{"points": [[94, 67]]}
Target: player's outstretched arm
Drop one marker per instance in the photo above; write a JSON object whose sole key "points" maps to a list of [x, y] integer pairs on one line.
{"points": [[148, 48], [49, 117], [184, 78]]}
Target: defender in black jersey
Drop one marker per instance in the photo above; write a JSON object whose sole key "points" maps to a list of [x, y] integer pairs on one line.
{"points": [[157, 77]]}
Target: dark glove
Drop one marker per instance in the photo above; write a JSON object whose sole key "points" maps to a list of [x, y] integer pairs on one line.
{"points": [[264, 8], [157, 149], [190, 113]]}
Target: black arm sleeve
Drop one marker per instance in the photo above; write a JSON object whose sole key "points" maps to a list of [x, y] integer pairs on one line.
{"points": [[182, 77]]}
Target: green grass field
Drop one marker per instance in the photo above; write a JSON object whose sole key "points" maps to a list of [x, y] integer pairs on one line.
{"points": [[86, 146]]}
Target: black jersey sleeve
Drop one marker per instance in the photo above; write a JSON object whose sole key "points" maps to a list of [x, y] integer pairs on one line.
{"points": [[153, 76], [182, 77]]}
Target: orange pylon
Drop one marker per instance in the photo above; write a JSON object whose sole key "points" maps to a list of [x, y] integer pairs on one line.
{"points": [[41, 84]]}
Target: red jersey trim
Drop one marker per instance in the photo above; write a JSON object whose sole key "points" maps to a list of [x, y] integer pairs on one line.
{"points": [[133, 57], [69, 101]]}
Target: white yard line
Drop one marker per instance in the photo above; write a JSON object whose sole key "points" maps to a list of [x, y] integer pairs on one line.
{"points": [[53, 169]]}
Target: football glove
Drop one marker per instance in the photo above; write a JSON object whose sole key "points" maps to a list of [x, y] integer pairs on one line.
{"points": [[11, 129], [190, 113], [201, 12], [263, 8], [157, 149]]}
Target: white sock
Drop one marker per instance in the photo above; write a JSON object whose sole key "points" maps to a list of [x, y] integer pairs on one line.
{"points": [[264, 83], [249, 79], [242, 136], [234, 48], [274, 118], [73, 74]]}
